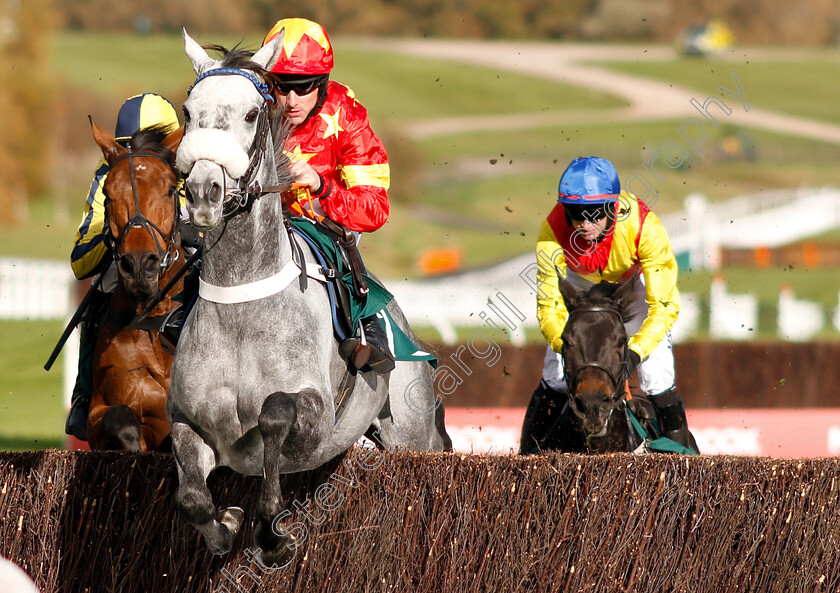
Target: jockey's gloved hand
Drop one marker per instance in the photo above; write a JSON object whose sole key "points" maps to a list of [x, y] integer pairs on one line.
{"points": [[633, 359], [191, 236]]}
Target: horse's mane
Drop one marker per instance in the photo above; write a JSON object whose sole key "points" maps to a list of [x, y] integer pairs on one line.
{"points": [[150, 139]]}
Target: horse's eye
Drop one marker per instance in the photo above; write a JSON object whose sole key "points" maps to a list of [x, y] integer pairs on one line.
{"points": [[252, 116]]}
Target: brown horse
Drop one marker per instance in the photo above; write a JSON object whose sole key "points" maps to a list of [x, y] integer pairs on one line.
{"points": [[130, 366]]}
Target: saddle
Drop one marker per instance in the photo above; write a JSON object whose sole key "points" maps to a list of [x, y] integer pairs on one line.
{"points": [[643, 423], [353, 294], [333, 263]]}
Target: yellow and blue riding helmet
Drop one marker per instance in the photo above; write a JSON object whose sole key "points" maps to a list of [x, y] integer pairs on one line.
{"points": [[142, 111]]}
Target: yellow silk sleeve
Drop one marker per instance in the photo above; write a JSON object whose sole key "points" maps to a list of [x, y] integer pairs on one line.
{"points": [[659, 267], [551, 309]]}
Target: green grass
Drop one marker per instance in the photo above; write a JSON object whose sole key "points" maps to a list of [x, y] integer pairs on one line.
{"points": [[401, 87], [121, 65], [31, 400], [398, 87], [819, 285], [48, 234], [807, 87]]}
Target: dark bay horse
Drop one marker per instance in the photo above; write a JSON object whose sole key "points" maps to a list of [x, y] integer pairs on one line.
{"points": [[258, 367], [130, 367], [595, 419]]}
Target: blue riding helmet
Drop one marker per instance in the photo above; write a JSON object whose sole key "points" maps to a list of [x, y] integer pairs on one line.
{"points": [[142, 111], [589, 181]]}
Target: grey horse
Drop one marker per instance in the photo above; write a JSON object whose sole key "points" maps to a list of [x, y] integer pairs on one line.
{"points": [[257, 366]]}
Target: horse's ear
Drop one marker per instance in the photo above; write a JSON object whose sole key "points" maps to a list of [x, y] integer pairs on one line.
{"points": [[568, 291], [111, 149], [624, 293], [174, 139], [201, 62], [268, 54]]}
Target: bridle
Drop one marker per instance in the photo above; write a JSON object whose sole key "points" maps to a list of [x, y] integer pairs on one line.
{"points": [[247, 189], [170, 253], [617, 380], [242, 196]]}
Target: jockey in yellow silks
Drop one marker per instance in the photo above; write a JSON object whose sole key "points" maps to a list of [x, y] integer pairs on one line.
{"points": [[597, 232], [90, 253]]}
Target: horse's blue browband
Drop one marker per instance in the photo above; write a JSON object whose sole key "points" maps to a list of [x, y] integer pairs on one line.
{"points": [[262, 87]]}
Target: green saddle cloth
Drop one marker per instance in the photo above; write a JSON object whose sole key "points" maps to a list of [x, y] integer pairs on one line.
{"points": [[373, 303]]}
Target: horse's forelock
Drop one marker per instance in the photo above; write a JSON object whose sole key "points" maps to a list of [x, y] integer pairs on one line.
{"points": [[151, 139], [600, 294], [603, 290], [237, 58]]}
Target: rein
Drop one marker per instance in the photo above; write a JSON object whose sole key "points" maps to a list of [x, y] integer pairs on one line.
{"points": [[169, 255], [247, 189], [618, 382]]}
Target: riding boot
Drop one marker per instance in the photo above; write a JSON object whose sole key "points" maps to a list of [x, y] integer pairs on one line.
{"points": [[671, 412], [76, 424], [170, 329], [543, 411], [371, 348]]}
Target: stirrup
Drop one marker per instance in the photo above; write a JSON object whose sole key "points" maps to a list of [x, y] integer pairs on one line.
{"points": [[361, 351], [356, 352], [170, 329]]}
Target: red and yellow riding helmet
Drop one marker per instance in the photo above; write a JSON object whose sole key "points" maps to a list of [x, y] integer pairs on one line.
{"points": [[307, 50]]}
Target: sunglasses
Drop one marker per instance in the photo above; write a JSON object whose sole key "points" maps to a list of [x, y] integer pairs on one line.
{"points": [[580, 213], [300, 87]]}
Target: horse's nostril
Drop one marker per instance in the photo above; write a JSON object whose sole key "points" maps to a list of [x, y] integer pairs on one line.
{"points": [[150, 264], [126, 264], [214, 193]]}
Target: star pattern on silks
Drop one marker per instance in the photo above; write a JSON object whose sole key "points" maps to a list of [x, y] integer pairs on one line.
{"points": [[297, 28], [297, 154], [333, 127]]}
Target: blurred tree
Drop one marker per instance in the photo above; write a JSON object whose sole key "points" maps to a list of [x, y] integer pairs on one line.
{"points": [[25, 104]]}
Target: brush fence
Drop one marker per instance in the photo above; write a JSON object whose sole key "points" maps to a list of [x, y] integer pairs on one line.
{"points": [[371, 521]]}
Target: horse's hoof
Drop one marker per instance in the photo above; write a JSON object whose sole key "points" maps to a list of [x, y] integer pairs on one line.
{"points": [[281, 555], [231, 518], [220, 534]]}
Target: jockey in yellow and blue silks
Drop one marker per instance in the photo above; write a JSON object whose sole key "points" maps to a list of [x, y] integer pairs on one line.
{"points": [[90, 253], [89, 250], [597, 232]]}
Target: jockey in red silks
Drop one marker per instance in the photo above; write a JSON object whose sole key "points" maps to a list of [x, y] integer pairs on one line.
{"points": [[597, 232], [340, 165]]}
